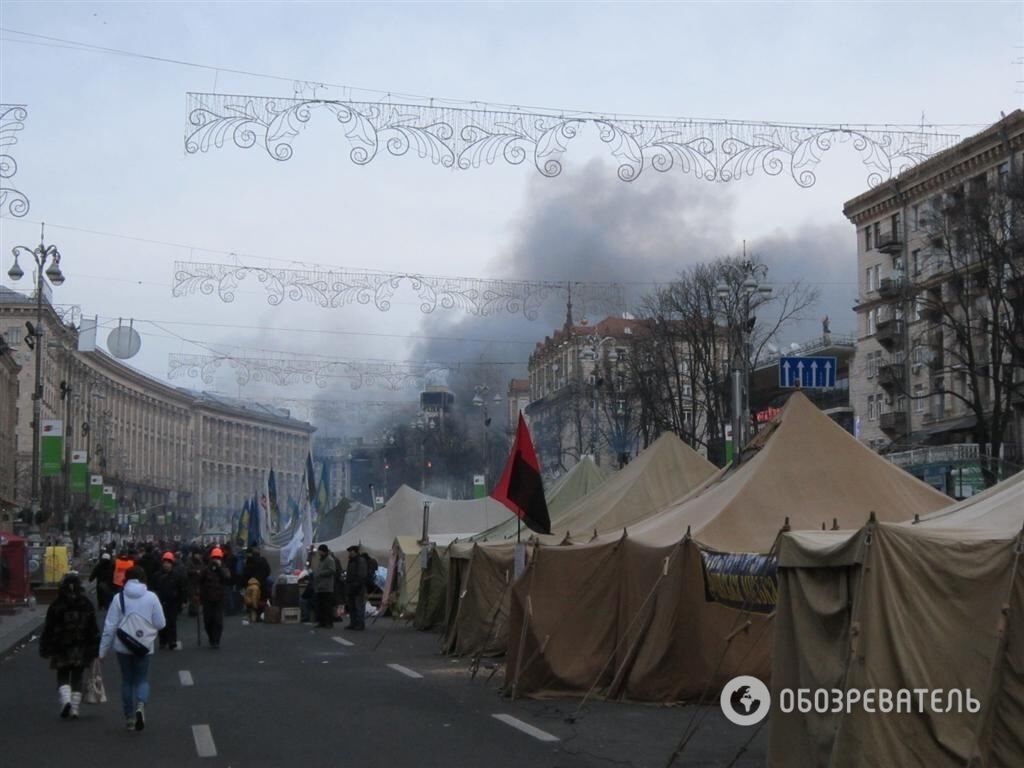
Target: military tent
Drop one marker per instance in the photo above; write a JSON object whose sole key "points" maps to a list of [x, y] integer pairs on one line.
{"points": [[627, 614], [406, 566], [666, 470], [936, 605], [402, 515]]}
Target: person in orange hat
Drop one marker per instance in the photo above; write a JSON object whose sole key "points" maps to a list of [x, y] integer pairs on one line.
{"points": [[172, 589], [213, 586]]}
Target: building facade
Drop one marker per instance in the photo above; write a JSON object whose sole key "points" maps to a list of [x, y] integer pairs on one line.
{"points": [[185, 458], [9, 370], [924, 293]]}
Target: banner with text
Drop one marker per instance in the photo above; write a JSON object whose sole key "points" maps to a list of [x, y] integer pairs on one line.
{"points": [[51, 447], [746, 581], [79, 471], [95, 489]]}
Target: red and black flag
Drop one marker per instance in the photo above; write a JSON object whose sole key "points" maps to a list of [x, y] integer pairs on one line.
{"points": [[520, 487]]}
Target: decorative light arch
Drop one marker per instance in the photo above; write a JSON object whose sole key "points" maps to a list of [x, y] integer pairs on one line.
{"points": [[12, 120], [460, 138]]}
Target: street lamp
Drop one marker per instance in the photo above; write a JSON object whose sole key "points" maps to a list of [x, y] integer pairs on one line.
{"points": [[741, 324], [49, 257], [480, 401]]}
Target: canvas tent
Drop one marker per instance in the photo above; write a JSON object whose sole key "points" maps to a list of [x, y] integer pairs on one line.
{"points": [[402, 515], [628, 614], [666, 470], [405, 568], [937, 605]]}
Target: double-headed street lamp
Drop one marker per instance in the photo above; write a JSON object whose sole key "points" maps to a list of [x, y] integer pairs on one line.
{"points": [[49, 257], [480, 393], [738, 313]]}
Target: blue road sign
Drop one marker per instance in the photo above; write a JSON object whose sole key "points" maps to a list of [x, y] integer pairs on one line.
{"points": [[807, 372]]}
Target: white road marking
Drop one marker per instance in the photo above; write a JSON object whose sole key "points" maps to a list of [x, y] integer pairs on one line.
{"points": [[343, 641], [405, 671], [185, 677], [204, 741], [526, 728]]}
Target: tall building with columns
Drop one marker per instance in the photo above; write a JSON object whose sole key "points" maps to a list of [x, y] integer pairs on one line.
{"points": [[189, 457]]}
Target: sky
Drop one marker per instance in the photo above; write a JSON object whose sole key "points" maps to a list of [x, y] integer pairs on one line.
{"points": [[102, 160]]}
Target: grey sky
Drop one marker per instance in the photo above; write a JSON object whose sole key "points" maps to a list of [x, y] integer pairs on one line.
{"points": [[103, 149]]}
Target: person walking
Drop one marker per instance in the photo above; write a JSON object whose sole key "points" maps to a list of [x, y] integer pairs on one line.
{"points": [[213, 585], [172, 592], [323, 582], [121, 565], [135, 598], [355, 582], [103, 575], [70, 640]]}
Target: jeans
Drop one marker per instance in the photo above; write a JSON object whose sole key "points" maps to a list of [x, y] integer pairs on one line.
{"points": [[134, 681]]}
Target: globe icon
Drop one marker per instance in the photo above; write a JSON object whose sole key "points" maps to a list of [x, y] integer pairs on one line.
{"points": [[744, 701]]}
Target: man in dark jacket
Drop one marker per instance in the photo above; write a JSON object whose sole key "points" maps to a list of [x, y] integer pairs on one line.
{"points": [[213, 585], [323, 582], [172, 589], [103, 575], [355, 582]]}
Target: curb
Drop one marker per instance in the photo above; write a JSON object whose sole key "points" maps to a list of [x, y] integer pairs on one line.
{"points": [[31, 628]]}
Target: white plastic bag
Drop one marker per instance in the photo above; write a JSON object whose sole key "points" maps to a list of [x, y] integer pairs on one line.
{"points": [[95, 691]]}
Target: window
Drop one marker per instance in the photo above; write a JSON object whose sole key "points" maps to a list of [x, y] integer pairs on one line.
{"points": [[1003, 174], [13, 335], [901, 404], [897, 266], [867, 238], [872, 318], [878, 232], [867, 280], [915, 262], [919, 398], [896, 223], [915, 217], [876, 281], [874, 360], [917, 356], [871, 407]]}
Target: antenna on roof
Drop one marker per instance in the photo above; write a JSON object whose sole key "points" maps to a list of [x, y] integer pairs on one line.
{"points": [[835, 524]]}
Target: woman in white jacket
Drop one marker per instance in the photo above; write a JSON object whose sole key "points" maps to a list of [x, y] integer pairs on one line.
{"points": [[134, 669]]}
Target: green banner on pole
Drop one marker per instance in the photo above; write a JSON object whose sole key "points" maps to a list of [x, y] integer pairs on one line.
{"points": [[479, 487], [51, 447], [109, 500], [79, 471], [95, 489]]}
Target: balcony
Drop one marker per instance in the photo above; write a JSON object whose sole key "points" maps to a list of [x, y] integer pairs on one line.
{"points": [[889, 242], [889, 333], [890, 287], [893, 421], [890, 376]]}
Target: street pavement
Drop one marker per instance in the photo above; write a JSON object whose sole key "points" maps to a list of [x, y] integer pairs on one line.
{"points": [[287, 695]]}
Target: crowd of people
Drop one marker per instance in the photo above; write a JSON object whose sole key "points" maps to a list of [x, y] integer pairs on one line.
{"points": [[144, 588]]}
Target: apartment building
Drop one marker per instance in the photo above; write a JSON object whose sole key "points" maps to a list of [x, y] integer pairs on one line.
{"points": [[924, 293]]}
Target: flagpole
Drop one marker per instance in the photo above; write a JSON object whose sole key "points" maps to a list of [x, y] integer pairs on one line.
{"points": [[519, 527]]}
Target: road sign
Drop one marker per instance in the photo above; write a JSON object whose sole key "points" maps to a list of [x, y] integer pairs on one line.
{"points": [[807, 372]]}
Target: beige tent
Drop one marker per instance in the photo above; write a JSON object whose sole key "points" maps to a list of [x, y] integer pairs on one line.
{"points": [[402, 515], [936, 605], [408, 556], [666, 470], [575, 484], [628, 614]]}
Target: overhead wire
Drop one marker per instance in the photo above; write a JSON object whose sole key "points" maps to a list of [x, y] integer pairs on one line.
{"points": [[65, 43]]}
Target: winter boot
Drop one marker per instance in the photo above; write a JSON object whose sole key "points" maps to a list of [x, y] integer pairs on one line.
{"points": [[140, 716], [64, 692], [76, 700]]}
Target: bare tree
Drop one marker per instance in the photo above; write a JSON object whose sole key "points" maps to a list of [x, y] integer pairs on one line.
{"points": [[970, 294]]}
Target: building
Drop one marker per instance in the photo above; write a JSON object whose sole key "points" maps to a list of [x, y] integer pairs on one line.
{"points": [[924, 292], [518, 398], [579, 401], [9, 370], [172, 456]]}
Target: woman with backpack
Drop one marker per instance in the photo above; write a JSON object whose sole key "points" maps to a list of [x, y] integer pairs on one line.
{"points": [[133, 621], [70, 640]]}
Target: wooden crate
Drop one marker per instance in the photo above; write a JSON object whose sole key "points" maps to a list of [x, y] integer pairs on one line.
{"points": [[290, 615]]}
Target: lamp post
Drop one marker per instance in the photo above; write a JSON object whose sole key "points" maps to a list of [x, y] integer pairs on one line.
{"points": [[480, 393], [735, 301], [42, 254]]}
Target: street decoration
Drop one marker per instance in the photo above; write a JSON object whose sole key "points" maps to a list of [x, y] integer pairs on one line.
{"points": [[463, 138], [12, 120]]}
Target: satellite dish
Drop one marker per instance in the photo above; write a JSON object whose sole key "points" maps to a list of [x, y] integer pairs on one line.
{"points": [[773, 349], [124, 341], [794, 347]]}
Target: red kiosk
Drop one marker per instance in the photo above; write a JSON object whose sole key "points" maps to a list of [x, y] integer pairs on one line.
{"points": [[14, 587]]}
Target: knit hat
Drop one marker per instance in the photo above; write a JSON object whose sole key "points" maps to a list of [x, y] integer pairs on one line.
{"points": [[168, 556]]}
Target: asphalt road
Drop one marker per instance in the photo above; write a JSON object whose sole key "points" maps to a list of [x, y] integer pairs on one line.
{"points": [[292, 695]]}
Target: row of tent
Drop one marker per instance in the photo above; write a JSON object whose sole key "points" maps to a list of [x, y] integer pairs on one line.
{"points": [[619, 601]]}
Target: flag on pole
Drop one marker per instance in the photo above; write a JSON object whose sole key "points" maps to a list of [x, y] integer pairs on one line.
{"points": [[95, 490], [321, 500], [255, 526], [242, 532], [274, 519], [310, 478], [520, 487]]}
